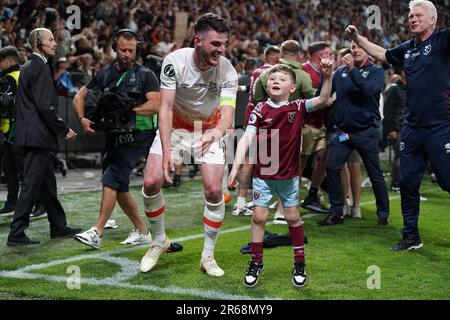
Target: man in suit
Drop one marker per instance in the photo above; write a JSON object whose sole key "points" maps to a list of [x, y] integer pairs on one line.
{"points": [[38, 128]]}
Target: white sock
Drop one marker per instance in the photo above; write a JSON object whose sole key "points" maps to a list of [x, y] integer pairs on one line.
{"points": [[212, 220], [154, 210], [225, 180], [241, 202]]}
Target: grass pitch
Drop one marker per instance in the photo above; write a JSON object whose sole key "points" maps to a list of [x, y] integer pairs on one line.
{"points": [[343, 261]]}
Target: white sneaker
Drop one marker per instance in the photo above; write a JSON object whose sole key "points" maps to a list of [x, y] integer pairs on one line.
{"points": [[151, 257], [136, 237], [349, 201], [366, 183], [111, 224], [273, 206], [250, 205], [346, 210], [239, 211], [90, 238], [210, 266], [279, 218], [356, 212]]}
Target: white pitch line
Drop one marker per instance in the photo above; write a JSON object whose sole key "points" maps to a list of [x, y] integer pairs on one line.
{"points": [[116, 281], [202, 293], [396, 197]]}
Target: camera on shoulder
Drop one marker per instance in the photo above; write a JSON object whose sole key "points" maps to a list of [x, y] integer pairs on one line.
{"points": [[110, 110]]}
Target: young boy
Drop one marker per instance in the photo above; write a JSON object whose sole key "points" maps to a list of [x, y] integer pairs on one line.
{"points": [[278, 119]]}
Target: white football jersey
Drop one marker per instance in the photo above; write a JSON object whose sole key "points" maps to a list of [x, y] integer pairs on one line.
{"points": [[199, 94]]}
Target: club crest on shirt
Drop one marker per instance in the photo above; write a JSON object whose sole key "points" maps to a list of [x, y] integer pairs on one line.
{"points": [[402, 146], [407, 54], [365, 74], [252, 118], [427, 50], [447, 147], [291, 116]]}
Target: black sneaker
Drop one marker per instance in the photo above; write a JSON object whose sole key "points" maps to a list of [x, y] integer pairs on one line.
{"points": [[394, 188], [314, 205], [176, 180], [299, 274], [252, 275], [331, 220], [407, 245]]}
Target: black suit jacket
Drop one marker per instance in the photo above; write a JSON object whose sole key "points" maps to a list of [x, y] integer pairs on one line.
{"points": [[37, 123]]}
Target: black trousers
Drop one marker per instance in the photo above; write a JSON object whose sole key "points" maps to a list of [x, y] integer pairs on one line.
{"points": [[366, 142], [38, 181]]}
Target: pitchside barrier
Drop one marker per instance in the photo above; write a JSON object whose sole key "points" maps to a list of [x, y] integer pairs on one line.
{"points": [[83, 143]]}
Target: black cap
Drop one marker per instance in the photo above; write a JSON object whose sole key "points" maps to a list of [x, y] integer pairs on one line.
{"points": [[8, 51]]}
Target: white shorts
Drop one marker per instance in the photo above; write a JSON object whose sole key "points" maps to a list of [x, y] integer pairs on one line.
{"points": [[182, 149]]}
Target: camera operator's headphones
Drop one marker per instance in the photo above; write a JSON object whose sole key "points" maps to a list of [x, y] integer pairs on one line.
{"points": [[136, 36]]}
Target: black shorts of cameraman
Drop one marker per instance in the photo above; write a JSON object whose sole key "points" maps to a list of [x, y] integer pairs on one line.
{"points": [[123, 151]]}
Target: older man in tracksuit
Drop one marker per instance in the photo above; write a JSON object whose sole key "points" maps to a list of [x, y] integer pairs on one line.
{"points": [[358, 85]]}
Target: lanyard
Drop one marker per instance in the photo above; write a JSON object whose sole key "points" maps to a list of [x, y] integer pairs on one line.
{"points": [[121, 79]]}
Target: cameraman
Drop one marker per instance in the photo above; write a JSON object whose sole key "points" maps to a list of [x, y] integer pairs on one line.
{"points": [[9, 80], [123, 149]]}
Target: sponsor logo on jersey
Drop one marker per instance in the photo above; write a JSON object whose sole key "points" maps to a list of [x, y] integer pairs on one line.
{"points": [[169, 71], [212, 87], [427, 50], [402, 146], [229, 84], [365, 74]]}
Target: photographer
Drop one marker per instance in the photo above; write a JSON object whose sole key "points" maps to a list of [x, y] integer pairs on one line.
{"points": [[9, 80], [122, 84]]}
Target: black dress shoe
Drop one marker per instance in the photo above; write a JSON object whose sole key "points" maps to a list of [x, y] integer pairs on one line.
{"points": [[382, 222], [65, 232], [38, 212], [174, 247], [330, 220], [7, 211], [22, 241]]}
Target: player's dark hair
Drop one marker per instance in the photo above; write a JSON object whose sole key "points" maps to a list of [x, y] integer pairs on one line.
{"points": [[211, 21], [316, 47]]}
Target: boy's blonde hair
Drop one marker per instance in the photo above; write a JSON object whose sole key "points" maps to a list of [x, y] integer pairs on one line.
{"points": [[284, 69]]}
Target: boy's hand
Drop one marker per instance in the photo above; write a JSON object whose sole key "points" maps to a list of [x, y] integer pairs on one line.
{"points": [[326, 66], [232, 181]]}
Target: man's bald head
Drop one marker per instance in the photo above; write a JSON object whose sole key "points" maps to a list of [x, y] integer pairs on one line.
{"points": [[43, 42], [42, 33]]}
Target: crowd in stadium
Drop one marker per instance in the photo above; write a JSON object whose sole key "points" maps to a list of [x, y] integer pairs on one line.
{"points": [[255, 25], [319, 68]]}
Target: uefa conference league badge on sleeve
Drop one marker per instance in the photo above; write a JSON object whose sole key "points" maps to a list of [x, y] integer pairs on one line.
{"points": [[169, 71]]}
